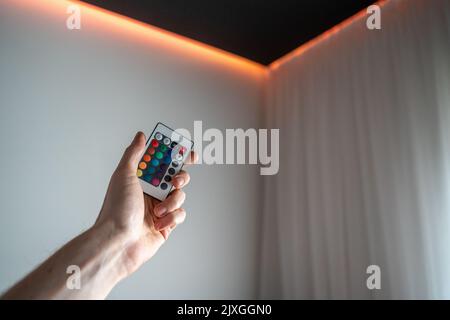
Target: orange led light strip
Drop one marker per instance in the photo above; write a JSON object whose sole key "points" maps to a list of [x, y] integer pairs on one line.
{"points": [[327, 34], [178, 41], [113, 20], [93, 16]]}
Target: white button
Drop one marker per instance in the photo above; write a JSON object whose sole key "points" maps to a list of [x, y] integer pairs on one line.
{"points": [[158, 136], [179, 157], [166, 141]]}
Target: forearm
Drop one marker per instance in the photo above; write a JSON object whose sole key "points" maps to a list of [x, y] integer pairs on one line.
{"points": [[98, 252]]}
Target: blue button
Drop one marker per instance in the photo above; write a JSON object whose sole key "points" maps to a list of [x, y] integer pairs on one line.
{"points": [[155, 162]]}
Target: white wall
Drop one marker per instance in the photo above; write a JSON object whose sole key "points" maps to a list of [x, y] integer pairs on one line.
{"points": [[70, 101]]}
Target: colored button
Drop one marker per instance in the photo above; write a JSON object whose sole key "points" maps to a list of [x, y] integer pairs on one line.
{"points": [[147, 158], [158, 136], [164, 186], [155, 182], [179, 157], [155, 143], [142, 165], [155, 162], [151, 170], [147, 178], [167, 178], [139, 173], [163, 148], [166, 141], [151, 151], [163, 167], [167, 160], [172, 171], [159, 155]]}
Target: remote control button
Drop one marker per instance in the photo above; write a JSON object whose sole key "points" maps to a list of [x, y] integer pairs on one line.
{"points": [[155, 182], [175, 164], [147, 158], [179, 157], [139, 173], [164, 186], [172, 171], [167, 160], [151, 151], [151, 170], [147, 177], [159, 155], [173, 144], [158, 136], [142, 165], [166, 141], [163, 148], [164, 167], [155, 163], [167, 178], [155, 143]]}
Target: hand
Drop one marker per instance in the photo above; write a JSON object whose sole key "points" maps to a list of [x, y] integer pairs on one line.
{"points": [[129, 230], [142, 222]]}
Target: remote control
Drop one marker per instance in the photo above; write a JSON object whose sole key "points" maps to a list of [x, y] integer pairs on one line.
{"points": [[164, 156]]}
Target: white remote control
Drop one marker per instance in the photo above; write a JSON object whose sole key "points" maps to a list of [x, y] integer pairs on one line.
{"points": [[164, 156]]}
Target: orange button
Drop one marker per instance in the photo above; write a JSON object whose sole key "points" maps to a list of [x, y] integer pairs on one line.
{"points": [[142, 165], [147, 158]]}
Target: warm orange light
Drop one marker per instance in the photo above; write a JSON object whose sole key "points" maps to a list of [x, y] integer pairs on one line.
{"points": [[93, 16], [327, 34], [103, 18]]}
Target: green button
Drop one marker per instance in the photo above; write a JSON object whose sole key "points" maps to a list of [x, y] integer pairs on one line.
{"points": [[158, 155], [163, 148]]}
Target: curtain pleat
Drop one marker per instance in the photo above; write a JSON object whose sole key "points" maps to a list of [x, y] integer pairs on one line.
{"points": [[364, 176]]}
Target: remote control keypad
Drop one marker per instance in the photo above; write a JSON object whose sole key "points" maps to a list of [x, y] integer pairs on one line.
{"points": [[156, 166]]}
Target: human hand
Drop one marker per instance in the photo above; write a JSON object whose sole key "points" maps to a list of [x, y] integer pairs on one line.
{"points": [[143, 223]]}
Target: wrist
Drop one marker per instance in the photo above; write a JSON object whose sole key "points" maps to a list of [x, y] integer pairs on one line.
{"points": [[123, 244], [111, 246]]}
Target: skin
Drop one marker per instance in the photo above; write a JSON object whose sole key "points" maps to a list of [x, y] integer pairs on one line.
{"points": [[129, 230]]}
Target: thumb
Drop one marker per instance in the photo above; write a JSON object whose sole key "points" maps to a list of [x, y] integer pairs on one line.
{"points": [[132, 154]]}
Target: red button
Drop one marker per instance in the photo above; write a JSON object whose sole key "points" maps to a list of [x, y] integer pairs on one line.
{"points": [[155, 143], [155, 182], [151, 151]]}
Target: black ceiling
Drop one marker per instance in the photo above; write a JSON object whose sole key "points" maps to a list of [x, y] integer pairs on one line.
{"points": [[260, 30]]}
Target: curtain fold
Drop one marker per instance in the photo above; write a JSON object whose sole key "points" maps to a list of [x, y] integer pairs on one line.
{"points": [[364, 176]]}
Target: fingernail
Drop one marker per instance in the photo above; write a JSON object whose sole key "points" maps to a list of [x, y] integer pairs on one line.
{"points": [[179, 181], [160, 210]]}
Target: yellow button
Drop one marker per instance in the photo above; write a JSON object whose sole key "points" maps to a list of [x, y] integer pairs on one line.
{"points": [[139, 173]]}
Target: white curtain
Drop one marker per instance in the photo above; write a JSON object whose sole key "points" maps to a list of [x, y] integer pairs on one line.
{"points": [[364, 179]]}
